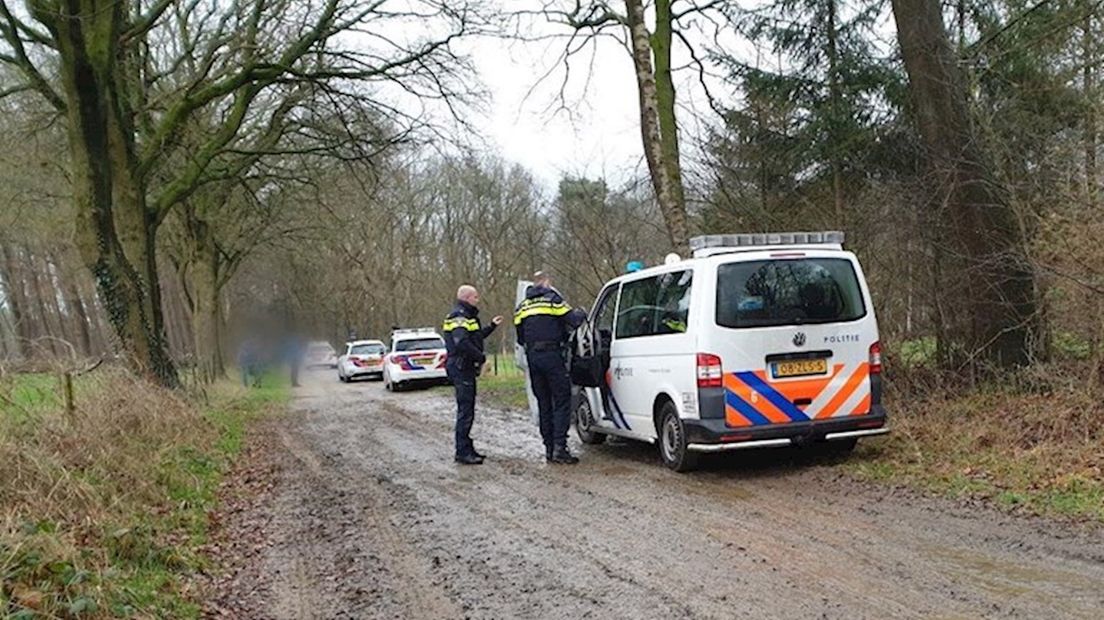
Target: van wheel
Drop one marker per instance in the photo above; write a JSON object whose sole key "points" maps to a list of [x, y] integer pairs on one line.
{"points": [[342, 378], [672, 440], [584, 424]]}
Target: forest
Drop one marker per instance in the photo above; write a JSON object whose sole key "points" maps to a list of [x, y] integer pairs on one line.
{"points": [[174, 172]]}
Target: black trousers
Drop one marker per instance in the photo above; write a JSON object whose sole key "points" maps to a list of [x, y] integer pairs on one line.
{"points": [[463, 381], [552, 387]]}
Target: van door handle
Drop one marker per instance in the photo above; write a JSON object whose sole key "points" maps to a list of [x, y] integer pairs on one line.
{"points": [[803, 402]]}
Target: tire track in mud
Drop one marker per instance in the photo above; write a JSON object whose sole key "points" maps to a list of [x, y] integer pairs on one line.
{"points": [[375, 521]]}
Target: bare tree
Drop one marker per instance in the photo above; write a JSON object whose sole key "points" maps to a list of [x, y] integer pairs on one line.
{"points": [[133, 78], [650, 48]]}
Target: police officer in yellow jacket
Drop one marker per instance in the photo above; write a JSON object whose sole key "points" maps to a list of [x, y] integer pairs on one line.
{"points": [[464, 336], [544, 321]]}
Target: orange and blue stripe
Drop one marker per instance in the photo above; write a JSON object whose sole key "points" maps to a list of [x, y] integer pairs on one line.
{"points": [[753, 398]]}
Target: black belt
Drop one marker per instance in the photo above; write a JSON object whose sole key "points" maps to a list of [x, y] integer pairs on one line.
{"points": [[537, 347]]}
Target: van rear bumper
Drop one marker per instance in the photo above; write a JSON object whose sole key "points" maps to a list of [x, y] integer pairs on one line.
{"points": [[712, 435]]}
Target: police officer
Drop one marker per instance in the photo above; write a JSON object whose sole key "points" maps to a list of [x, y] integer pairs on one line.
{"points": [[464, 337], [544, 322]]}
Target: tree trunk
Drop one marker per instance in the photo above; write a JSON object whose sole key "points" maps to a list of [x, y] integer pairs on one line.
{"points": [[834, 120], [658, 126], [204, 287], [76, 308], [1088, 49], [46, 292], [115, 230], [989, 279], [17, 301]]}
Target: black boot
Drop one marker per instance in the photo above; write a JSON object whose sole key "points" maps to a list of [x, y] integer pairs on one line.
{"points": [[469, 459], [548, 453], [563, 457]]}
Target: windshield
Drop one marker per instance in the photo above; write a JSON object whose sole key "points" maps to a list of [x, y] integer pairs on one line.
{"points": [[419, 344], [788, 292], [367, 349]]}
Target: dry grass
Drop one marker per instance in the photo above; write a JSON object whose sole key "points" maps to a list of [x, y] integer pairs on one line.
{"points": [[1033, 443], [101, 509]]}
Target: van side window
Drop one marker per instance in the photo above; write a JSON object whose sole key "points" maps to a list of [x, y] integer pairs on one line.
{"points": [[654, 306], [673, 305], [603, 319]]}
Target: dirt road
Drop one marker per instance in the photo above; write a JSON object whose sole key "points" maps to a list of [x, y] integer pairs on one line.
{"points": [[370, 518]]}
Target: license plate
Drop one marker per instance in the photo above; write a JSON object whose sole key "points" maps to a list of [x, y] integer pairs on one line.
{"points": [[800, 368], [424, 360]]}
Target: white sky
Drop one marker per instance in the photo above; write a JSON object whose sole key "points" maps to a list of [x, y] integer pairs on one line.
{"points": [[596, 134]]}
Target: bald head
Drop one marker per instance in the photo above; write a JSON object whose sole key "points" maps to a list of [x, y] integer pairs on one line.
{"points": [[542, 278], [468, 294]]}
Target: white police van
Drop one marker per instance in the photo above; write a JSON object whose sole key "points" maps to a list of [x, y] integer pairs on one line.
{"points": [[759, 340]]}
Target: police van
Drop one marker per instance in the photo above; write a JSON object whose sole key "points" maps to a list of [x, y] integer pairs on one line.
{"points": [[758, 340]]}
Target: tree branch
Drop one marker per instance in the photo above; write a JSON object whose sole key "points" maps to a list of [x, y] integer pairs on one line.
{"points": [[22, 61]]}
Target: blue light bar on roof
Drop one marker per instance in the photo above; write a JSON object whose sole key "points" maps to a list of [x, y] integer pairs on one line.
{"points": [[746, 240]]}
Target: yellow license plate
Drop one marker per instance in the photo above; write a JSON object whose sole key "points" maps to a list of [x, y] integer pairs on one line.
{"points": [[800, 368]]}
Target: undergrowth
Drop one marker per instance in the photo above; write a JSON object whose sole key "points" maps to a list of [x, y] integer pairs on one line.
{"points": [[1032, 442], [102, 511]]}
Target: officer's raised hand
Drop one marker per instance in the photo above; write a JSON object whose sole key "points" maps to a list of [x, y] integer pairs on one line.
{"points": [[497, 320]]}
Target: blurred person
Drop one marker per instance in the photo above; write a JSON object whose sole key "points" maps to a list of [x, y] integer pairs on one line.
{"points": [[249, 362]]}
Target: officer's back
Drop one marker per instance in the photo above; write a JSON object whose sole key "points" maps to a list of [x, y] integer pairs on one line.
{"points": [[544, 321]]}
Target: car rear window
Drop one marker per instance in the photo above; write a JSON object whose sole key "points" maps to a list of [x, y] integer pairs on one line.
{"points": [[419, 344], [788, 292], [367, 349]]}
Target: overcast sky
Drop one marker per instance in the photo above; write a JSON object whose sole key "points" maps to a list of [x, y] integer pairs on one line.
{"points": [[598, 134]]}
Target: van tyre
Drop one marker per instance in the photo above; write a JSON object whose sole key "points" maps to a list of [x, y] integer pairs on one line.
{"points": [[584, 424], [672, 440]]}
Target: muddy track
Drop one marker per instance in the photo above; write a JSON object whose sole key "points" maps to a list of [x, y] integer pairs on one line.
{"points": [[370, 518]]}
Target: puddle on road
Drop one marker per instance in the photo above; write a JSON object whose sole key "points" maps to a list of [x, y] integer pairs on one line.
{"points": [[1073, 593]]}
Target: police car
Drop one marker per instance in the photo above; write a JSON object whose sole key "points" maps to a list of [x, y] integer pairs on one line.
{"points": [[417, 357], [362, 358], [756, 341]]}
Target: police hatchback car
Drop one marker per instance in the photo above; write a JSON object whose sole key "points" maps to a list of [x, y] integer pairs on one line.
{"points": [[417, 357], [756, 341], [361, 358]]}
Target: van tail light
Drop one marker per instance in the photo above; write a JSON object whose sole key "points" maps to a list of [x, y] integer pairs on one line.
{"points": [[876, 358], [710, 374]]}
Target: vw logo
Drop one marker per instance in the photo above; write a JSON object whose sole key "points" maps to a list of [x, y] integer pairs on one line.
{"points": [[799, 339]]}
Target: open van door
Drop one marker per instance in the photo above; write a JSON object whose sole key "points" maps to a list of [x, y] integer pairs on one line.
{"points": [[522, 362]]}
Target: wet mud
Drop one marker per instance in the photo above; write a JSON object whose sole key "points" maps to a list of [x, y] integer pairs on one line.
{"points": [[369, 517]]}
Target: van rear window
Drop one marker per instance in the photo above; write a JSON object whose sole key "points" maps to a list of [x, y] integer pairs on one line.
{"points": [[788, 292]]}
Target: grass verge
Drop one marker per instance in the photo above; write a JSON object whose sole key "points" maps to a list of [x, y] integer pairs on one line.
{"points": [[1024, 451], [102, 512]]}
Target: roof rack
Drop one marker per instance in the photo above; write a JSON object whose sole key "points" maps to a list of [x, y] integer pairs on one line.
{"points": [[708, 245]]}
